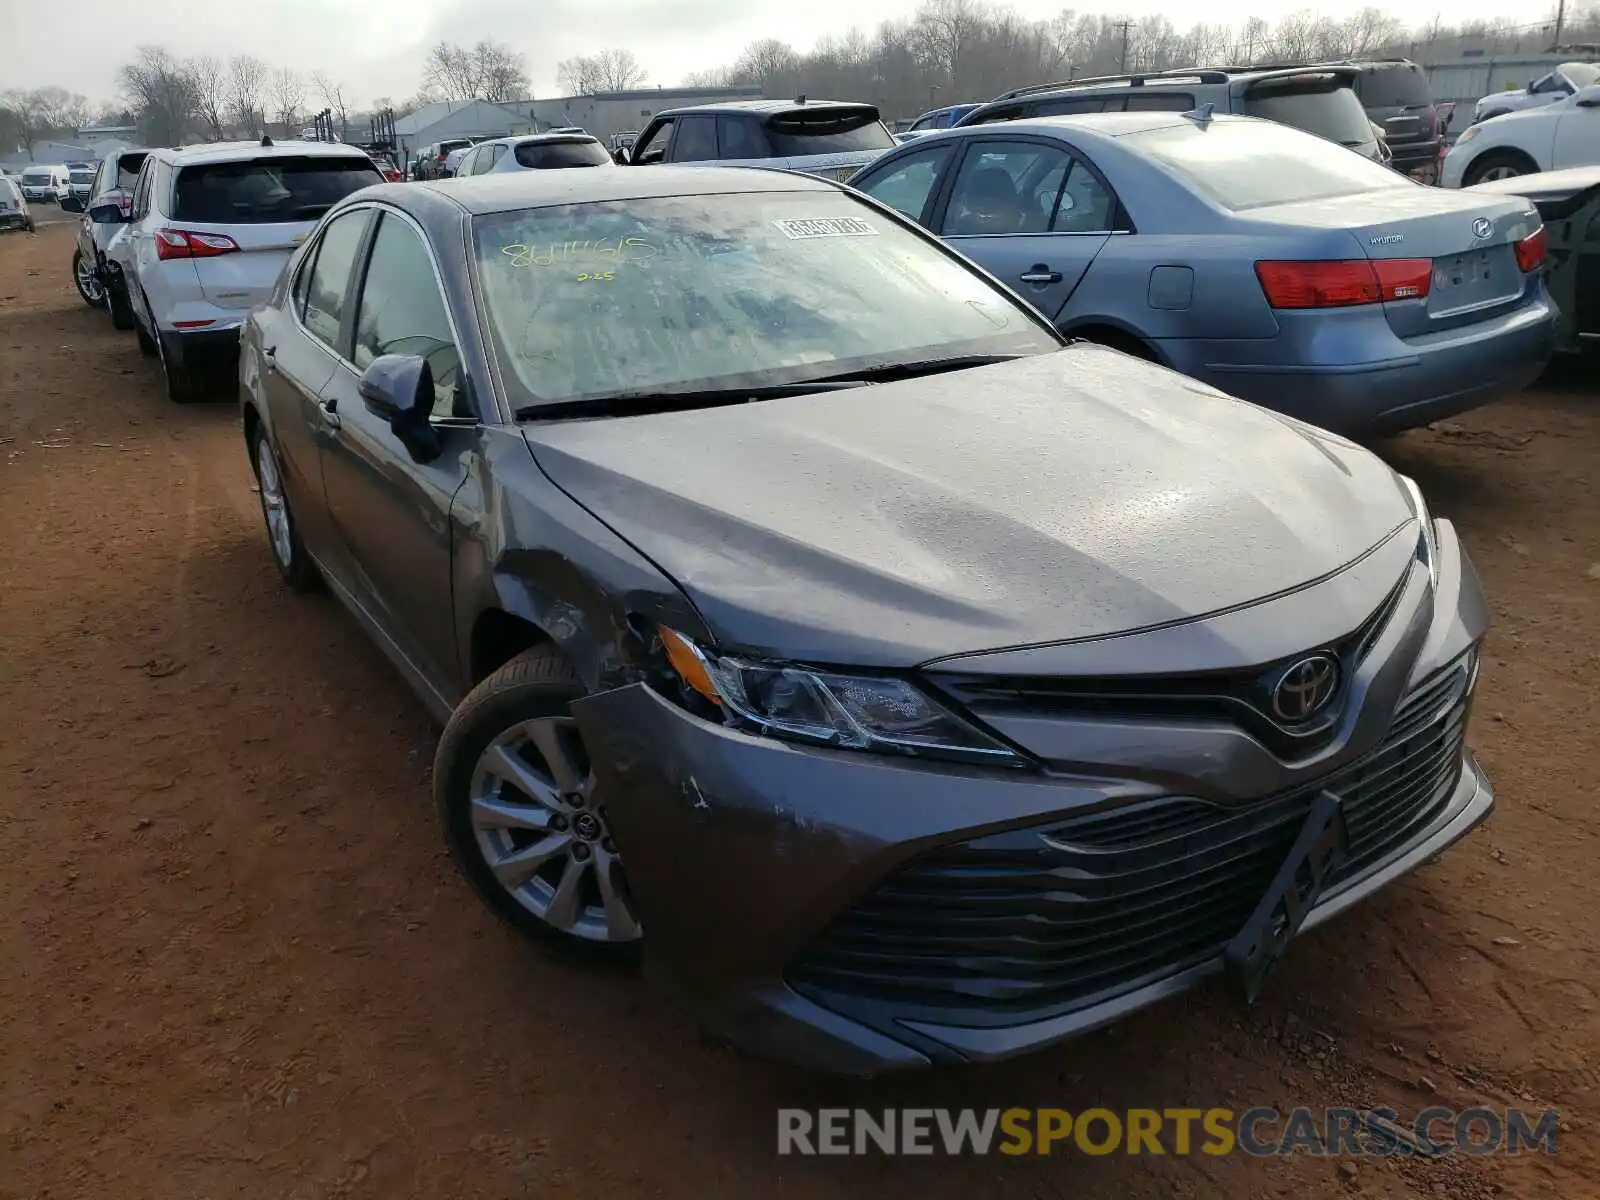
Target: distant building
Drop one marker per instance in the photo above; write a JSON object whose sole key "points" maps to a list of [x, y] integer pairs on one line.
{"points": [[47, 154], [602, 114], [112, 137]]}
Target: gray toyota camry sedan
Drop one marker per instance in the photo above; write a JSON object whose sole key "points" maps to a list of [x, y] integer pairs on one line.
{"points": [[904, 685]]}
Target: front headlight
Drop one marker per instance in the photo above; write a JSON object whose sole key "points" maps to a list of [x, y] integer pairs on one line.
{"points": [[856, 712], [1427, 540], [1467, 134]]}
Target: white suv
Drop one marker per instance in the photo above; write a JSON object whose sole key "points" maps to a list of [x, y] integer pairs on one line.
{"points": [[210, 228]]}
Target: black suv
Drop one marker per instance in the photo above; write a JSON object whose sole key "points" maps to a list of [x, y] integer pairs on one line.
{"points": [[1319, 99]]}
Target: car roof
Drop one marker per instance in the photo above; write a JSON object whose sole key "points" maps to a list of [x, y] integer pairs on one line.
{"points": [[1095, 125], [523, 139], [221, 152], [765, 108], [511, 190]]}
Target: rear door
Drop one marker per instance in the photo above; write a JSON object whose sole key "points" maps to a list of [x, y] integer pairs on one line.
{"points": [[302, 349], [1032, 213], [265, 207]]}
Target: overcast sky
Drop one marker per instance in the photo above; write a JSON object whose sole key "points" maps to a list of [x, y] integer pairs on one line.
{"points": [[376, 47]]}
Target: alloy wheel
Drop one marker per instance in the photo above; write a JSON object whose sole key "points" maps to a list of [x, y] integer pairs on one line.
{"points": [[91, 288], [543, 838], [273, 506], [1504, 171]]}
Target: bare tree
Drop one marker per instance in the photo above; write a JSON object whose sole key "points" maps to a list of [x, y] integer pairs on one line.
{"points": [[210, 95], [162, 93], [501, 73], [607, 71], [618, 70], [764, 62], [35, 112], [449, 71], [288, 94], [247, 83], [332, 94]]}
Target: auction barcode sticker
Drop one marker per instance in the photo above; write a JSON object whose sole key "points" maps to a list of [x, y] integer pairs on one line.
{"points": [[819, 227]]}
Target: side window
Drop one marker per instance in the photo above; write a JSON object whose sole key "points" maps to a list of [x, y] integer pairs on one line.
{"points": [[327, 290], [1012, 112], [1161, 102], [741, 137], [1549, 83], [1006, 187], [141, 190], [402, 312], [697, 140], [906, 186], [302, 282], [496, 153], [654, 147], [1069, 106], [1084, 205], [469, 162], [107, 167]]}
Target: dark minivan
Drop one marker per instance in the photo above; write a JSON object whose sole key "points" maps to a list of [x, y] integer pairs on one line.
{"points": [[1398, 101]]}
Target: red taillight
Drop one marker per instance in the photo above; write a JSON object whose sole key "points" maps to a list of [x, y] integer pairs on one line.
{"points": [[182, 243], [1532, 249], [392, 176], [1334, 284]]}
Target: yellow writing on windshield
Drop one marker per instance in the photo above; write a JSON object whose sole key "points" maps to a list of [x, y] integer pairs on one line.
{"points": [[632, 251]]}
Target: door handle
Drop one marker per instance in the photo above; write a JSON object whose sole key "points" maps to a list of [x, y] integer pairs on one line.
{"points": [[330, 412], [1040, 273], [270, 354]]}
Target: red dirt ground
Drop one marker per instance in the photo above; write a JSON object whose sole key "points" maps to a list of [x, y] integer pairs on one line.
{"points": [[235, 960]]}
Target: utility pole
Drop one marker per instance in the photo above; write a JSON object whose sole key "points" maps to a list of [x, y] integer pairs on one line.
{"points": [[1561, 19], [1124, 26]]}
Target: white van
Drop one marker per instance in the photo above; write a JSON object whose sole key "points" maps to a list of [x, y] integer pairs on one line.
{"points": [[46, 183]]}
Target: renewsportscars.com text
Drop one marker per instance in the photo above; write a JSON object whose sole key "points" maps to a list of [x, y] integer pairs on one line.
{"points": [[1259, 1132]]}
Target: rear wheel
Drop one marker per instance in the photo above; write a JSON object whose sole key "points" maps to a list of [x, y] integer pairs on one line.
{"points": [[1499, 164], [89, 285], [117, 302], [294, 564], [183, 385]]}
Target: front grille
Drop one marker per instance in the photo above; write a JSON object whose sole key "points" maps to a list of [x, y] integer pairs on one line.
{"points": [[1238, 697], [1043, 920]]}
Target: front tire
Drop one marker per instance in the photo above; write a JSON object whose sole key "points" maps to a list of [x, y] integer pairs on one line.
{"points": [[89, 285], [283, 537], [516, 797], [1499, 164]]}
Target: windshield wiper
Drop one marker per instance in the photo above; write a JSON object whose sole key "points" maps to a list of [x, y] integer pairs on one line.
{"points": [[627, 404], [931, 366]]}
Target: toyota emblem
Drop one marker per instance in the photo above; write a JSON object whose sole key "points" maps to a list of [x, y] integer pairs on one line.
{"points": [[1305, 688], [1482, 228]]}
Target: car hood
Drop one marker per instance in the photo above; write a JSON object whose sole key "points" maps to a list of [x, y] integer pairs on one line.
{"points": [[1543, 186], [1063, 496]]}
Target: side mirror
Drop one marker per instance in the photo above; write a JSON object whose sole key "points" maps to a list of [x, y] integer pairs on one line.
{"points": [[399, 389], [621, 156], [109, 213], [1587, 97]]}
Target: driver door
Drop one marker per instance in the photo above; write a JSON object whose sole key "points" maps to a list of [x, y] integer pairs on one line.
{"points": [[391, 513]]}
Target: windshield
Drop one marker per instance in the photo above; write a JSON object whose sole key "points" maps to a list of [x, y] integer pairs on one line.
{"points": [[754, 289], [1319, 104], [541, 156], [35, 178], [827, 131], [280, 188], [1251, 164], [83, 177], [1395, 87]]}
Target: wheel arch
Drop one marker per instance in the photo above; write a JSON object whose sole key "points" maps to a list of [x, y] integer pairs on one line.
{"points": [[1501, 151]]}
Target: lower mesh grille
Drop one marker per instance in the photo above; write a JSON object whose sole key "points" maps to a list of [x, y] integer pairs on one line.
{"points": [[1053, 918]]}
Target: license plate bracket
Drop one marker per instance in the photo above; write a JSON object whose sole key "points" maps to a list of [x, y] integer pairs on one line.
{"points": [[1319, 849]]}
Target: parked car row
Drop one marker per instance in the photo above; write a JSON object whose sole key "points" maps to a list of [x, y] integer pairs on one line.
{"points": [[757, 517]]}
